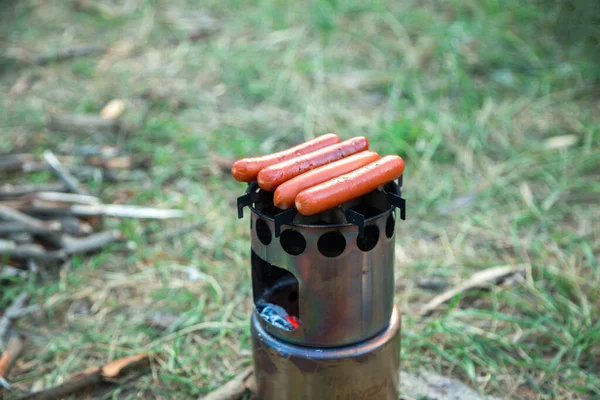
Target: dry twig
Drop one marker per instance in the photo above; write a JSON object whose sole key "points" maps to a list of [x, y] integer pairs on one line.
{"points": [[232, 390], [9, 228], [63, 173], [93, 242], [65, 55], [478, 280], [10, 214], [21, 163], [30, 251], [7, 190], [15, 310], [109, 373], [108, 210], [67, 197], [7, 271], [82, 123]]}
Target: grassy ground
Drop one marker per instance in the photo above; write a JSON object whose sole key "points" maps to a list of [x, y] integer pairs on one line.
{"points": [[471, 93]]}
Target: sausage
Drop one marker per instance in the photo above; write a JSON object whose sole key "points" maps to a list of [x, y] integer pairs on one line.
{"points": [[285, 194], [344, 188], [271, 177], [246, 169]]}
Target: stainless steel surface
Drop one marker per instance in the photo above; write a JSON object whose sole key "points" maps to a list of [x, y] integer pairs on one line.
{"points": [[364, 371], [341, 300]]}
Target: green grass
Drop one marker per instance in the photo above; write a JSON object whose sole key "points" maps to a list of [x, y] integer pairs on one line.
{"points": [[467, 92]]}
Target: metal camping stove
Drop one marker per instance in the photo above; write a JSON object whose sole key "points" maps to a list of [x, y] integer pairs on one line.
{"points": [[324, 324]]}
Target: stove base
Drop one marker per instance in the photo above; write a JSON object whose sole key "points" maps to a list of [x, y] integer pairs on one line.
{"points": [[363, 371]]}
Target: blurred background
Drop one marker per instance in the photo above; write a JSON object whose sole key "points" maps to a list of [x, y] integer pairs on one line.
{"points": [[494, 105]]}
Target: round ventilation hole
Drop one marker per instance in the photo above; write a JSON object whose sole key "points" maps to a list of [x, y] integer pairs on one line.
{"points": [[263, 232], [292, 242], [331, 244], [370, 238]]}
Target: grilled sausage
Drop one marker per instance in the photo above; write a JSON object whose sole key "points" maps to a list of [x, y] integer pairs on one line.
{"points": [[271, 177], [285, 194], [246, 169], [344, 188]]}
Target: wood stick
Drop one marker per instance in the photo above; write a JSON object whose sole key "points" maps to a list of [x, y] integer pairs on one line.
{"points": [[21, 238], [90, 150], [76, 227], [108, 210], [478, 280], [30, 251], [90, 243], [109, 373], [13, 311], [8, 190], [63, 173], [21, 163], [11, 353], [82, 123], [51, 228], [68, 197], [10, 214], [67, 54], [9, 272], [232, 390]]}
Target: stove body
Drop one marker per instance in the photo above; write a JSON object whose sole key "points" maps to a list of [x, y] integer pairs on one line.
{"points": [[332, 276]]}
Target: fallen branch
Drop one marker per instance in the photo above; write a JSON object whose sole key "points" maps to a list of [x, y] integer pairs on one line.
{"points": [[429, 385], [232, 390], [110, 373], [21, 163], [74, 226], [68, 197], [30, 251], [11, 353], [82, 123], [7, 190], [65, 55], [63, 173], [478, 280], [8, 228], [15, 310], [108, 210], [10, 214], [11, 272], [90, 243], [89, 150]]}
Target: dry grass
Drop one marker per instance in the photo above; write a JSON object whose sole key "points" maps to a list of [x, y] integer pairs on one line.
{"points": [[469, 93]]}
